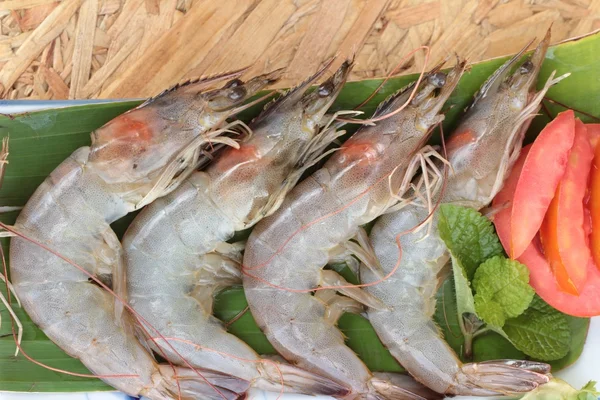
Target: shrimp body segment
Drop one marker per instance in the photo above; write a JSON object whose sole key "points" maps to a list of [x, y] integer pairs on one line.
{"points": [[71, 213], [481, 153], [287, 251], [176, 250]]}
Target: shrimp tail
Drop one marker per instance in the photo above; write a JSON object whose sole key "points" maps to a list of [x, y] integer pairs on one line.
{"points": [[212, 385], [399, 387], [296, 380], [507, 377]]}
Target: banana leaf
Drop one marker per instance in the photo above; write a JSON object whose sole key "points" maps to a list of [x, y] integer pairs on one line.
{"points": [[41, 140]]}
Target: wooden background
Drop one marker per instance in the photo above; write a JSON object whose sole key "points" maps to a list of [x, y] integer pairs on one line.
{"points": [[58, 49]]}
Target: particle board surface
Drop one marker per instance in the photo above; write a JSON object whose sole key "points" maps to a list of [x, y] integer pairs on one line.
{"points": [[58, 49]]}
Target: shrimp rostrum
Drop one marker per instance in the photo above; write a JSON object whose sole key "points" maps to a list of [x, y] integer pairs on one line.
{"points": [[286, 252], [133, 159], [481, 152], [176, 250]]}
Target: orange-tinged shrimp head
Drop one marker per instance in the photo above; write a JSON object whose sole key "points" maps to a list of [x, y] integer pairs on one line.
{"points": [[142, 142]]}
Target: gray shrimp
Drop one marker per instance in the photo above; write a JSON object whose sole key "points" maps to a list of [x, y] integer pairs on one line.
{"points": [[133, 159], [481, 153], [176, 250], [286, 252]]}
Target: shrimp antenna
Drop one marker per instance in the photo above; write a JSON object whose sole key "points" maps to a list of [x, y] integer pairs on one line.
{"points": [[548, 99], [412, 94]]}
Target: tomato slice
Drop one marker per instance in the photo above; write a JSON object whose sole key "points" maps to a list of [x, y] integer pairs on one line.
{"points": [[587, 304], [504, 198], [563, 233], [542, 171], [594, 207], [549, 239]]}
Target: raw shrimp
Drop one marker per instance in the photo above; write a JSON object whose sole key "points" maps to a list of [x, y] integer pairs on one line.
{"points": [[481, 152], [176, 250], [133, 159], [286, 253]]}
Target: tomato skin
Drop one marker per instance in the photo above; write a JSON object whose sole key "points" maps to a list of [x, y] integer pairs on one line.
{"points": [[542, 171], [587, 304]]}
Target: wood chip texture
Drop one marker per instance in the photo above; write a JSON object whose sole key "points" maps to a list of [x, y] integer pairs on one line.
{"points": [[58, 49]]}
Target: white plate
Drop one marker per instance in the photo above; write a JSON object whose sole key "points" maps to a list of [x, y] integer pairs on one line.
{"points": [[585, 369]]}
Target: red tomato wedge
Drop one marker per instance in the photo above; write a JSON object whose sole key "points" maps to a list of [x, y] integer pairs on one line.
{"points": [[594, 206], [587, 304], [542, 171], [503, 200], [549, 239], [562, 233]]}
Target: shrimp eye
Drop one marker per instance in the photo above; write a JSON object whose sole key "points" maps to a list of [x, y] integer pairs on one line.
{"points": [[236, 93], [526, 68], [233, 83], [438, 79], [325, 89]]}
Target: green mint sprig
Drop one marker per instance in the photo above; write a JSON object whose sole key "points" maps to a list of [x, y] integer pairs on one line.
{"points": [[494, 290]]}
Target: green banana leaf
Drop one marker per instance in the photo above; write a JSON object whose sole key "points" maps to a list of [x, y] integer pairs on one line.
{"points": [[40, 141]]}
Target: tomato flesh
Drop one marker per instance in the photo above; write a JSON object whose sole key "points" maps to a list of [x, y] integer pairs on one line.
{"points": [[541, 173], [542, 278]]}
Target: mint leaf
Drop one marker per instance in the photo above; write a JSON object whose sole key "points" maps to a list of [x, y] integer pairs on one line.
{"points": [[469, 235], [489, 311], [541, 331], [558, 389], [502, 290], [464, 295], [465, 306]]}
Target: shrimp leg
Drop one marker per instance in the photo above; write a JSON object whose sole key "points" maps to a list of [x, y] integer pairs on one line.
{"points": [[216, 272], [331, 278], [337, 305]]}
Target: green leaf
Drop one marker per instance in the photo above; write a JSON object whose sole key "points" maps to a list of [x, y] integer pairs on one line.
{"points": [[469, 235], [558, 389], [446, 316], [591, 387], [41, 140], [541, 331], [490, 311], [464, 295], [493, 345], [578, 327], [503, 290], [362, 339]]}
